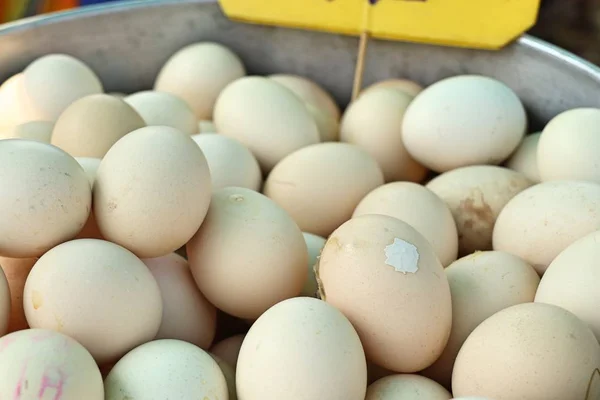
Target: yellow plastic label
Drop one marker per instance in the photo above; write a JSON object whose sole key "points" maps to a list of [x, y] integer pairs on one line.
{"points": [[488, 24]]}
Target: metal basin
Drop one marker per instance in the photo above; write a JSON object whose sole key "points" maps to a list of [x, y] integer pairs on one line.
{"points": [[126, 44]]}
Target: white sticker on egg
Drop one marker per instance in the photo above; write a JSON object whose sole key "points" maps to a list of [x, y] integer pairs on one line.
{"points": [[403, 256]]}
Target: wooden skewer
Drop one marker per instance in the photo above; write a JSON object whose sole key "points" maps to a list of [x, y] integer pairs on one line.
{"points": [[360, 65]]}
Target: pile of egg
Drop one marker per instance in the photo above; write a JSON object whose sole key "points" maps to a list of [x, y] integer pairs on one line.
{"points": [[226, 236]]}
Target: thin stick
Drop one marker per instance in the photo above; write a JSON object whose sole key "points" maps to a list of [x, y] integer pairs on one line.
{"points": [[360, 64]]}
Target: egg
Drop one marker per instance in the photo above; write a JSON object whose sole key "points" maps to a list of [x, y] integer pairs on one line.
{"points": [[328, 126], [421, 209], [54, 81], [540, 222], [205, 126], [228, 349], [164, 369], [98, 293], [404, 85], [475, 196], [570, 281], [524, 158], [569, 145], [255, 110], [248, 254], [92, 125], [13, 110], [42, 364], [406, 387], [155, 171], [312, 184], [90, 229], [315, 244], [33, 130], [229, 374], [230, 162], [164, 109], [198, 73], [90, 166], [374, 122], [386, 278], [5, 304], [463, 120], [525, 352], [282, 356], [16, 271], [186, 314], [481, 284], [46, 197], [310, 92]]}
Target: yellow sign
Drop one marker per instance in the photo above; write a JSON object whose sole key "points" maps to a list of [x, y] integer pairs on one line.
{"points": [[488, 24]]}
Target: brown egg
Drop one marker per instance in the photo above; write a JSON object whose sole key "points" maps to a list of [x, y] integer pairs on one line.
{"points": [[186, 315], [374, 122], [248, 254], [481, 285], [46, 197], [16, 271], [385, 277], [404, 85], [312, 184], [406, 387], [310, 92], [54, 81], [90, 126], [33, 130], [198, 73], [155, 171], [526, 352], [98, 293], [475, 196], [229, 349]]}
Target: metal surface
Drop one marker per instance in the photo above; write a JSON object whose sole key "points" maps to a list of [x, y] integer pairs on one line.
{"points": [[126, 44]]}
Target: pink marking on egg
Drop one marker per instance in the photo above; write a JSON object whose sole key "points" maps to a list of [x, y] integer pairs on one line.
{"points": [[57, 382], [19, 388], [6, 341]]}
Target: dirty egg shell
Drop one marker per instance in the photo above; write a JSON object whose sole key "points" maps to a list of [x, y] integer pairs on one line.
{"points": [[186, 314], [165, 369], [541, 221], [16, 271], [386, 278], [406, 387], [315, 244], [46, 198], [539, 351], [98, 293], [155, 171], [475, 196], [312, 184], [248, 254], [284, 349], [524, 159], [481, 284], [229, 349], [404, 85], [255, 110], [420, 208], [374, 122], [38, 363], [33, 130]]}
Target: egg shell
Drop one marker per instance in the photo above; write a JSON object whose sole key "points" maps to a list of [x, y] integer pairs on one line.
{"points": [[98, 293], [266, 117], [152, 191], [525, 352], [230, 162], [385, 277], [282, 356], [33, 130], [186, 314], [92, 125], [5, 304], [475, 196], [524, 158], [205, 126], [404, 85], [229, 374], [198, 73], [248, 254], [481, 284], [313, 184], [328, 126], [571, 280], [315, 244], [569, 145], [540, 222], [13, 111], [463, 120], [310, 92], [16, 271], [54, 81], [164, 109], [228, 349], [374, 122], [165, 369], [420, 208], [406, 387], [46, 197], [43, 364], [90, 165]]}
